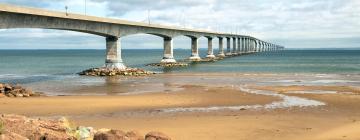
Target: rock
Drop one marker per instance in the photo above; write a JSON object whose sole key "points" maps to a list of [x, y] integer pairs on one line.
{"points": [[2, 90], [14, 91], [12, 136], [36, 94], [19, 95], [26, 95], [2, 95], [34, 128], [242, 109], [110, 135], [156, 136], [9, 95], [17, 87], [7, 87], [134, 135], [85, 132], [176, 64], [21, 128], [114, 72]]}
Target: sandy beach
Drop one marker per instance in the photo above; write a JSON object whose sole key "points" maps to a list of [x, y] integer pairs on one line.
{"points": [[339, 118]]}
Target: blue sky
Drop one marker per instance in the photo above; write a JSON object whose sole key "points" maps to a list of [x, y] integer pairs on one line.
{"points": [[292, 23]]}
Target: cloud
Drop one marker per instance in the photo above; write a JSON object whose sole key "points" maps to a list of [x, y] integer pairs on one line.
{"points": [[119, 8], [37, 3], [286, 22]]}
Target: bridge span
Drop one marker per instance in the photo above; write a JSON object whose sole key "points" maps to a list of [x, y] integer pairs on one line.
{"points": [[113, 29]]}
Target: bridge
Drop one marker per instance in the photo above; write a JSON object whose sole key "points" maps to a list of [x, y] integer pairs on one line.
{"points": [[113, 29]]}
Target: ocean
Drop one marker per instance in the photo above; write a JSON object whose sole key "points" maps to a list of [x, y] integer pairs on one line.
{"points": [[54, 70]]}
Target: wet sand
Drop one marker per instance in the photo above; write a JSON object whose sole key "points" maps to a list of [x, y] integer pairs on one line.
{"points": [[190, 96], [338, 119]]}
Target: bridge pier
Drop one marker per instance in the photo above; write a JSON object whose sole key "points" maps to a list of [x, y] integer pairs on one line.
{"points": [[234, 46], [256, 49], [194, 49], [221, 47], [242, 45], [228, 46], [113, 53], [259, 46], [256, 46], [238, 46], [168, 51], [252, 42], [210, 53], [263, 47], [250, 46], [246, 45]]}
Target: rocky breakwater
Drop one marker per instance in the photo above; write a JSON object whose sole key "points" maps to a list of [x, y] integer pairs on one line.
{"points": [[210, 59], [115, 72], [8, 90], [16, 127], [173, 64]]}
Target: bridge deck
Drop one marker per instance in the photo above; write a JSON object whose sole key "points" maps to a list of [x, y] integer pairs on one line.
{"points": [[48, 13]]}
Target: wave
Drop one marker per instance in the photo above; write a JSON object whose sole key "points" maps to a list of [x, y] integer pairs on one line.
{"points": [[25, 79]]}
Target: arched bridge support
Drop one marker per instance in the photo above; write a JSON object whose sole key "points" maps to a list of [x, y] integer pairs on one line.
{"points": [[221, 47], [113, 53], [210, 53], [194, 49], [168, 51]]}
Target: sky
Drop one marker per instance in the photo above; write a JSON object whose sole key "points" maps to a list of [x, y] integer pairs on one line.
{"points": [[291, 23]]}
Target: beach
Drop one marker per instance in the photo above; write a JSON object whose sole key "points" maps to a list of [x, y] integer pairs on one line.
{"points": [[294, 94], [207, 110]]}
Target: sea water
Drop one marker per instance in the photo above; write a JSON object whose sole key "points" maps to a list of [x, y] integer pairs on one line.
{"points": [[52, 71]]}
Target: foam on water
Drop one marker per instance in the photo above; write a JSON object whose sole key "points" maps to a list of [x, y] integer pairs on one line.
{"points": [[286, 102], [332, 81], [10, 76], [313, 92], [324, 75]]}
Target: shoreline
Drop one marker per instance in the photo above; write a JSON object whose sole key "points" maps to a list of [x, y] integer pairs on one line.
{"points": [[76, 85], [145, 112]]}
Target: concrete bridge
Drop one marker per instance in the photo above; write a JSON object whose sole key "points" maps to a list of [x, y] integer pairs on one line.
{"points": [[113, 29]]}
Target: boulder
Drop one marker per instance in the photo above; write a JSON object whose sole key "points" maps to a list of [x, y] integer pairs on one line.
{"points": [[7, 87], [156, 136], [2, 90], [17, 87], [26, 95], [19, 95], [9, 95], [114, 72], [14, 91], [134, 135], [110, 135], [11, 136], [34, 128], [36, 94], [85, 132], [176, 64]]}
